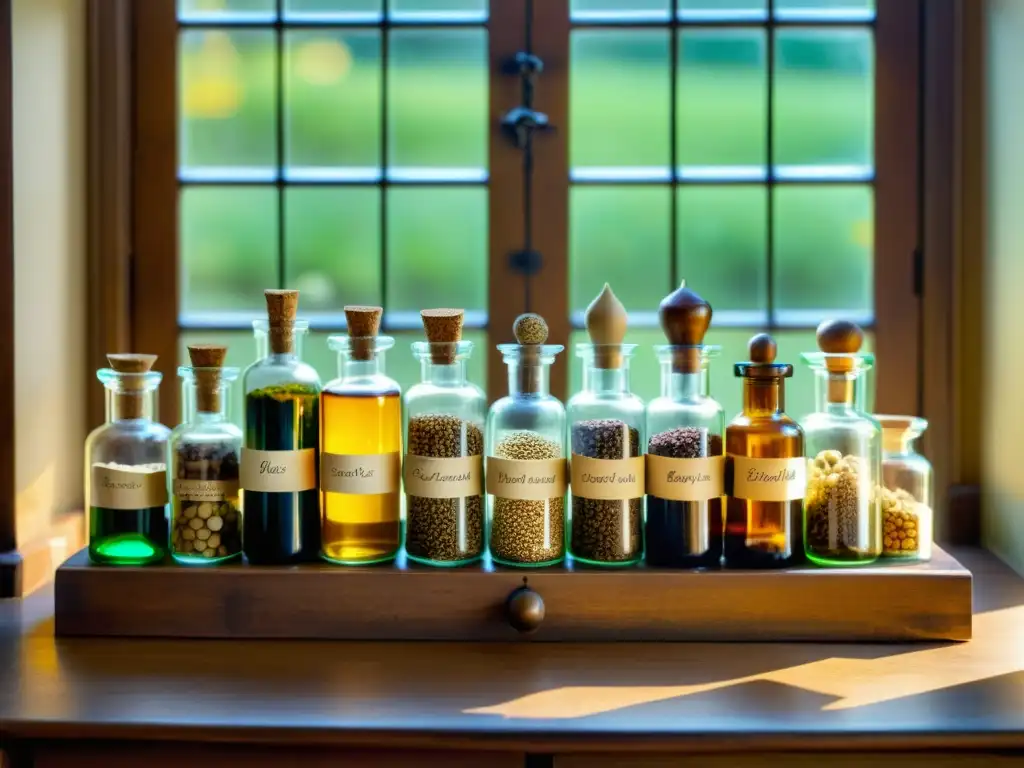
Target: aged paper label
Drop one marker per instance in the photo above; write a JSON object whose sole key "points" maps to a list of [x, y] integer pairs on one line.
{"points": [[685, 479], [528, 479], [610, 479], [768, 479], [206, 490], [278, 471], [443, 478], [364, 474], [122, 487]]}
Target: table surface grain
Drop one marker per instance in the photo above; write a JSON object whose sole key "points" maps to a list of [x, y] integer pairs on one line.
{"points": [[526, 696]]}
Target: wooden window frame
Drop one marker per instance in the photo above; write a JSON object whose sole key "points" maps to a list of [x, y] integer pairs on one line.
{"points": [[133, 178]]}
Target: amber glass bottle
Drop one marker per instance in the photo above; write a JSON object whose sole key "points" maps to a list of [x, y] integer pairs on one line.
{"points": [[765, 474], [361, 433]]}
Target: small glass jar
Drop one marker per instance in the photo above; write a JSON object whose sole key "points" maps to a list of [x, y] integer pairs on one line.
{"points": [[443, 468], [907, 490], [126, 468], [526, 472], [361, 433], [842, 521], [606, 435], [205, 450], [279, 466], [685, 465]]}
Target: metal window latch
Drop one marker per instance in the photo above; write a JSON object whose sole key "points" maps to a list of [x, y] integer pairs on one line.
{"points": [[526, 262], [519, 123], [524, 64]]}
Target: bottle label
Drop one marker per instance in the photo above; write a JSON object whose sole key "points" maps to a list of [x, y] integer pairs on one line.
{"points": [[527, 479], [695, 479], [768, 479], [116, 486], [610, 479], [205, 490], [443, 478], [278, 471], [363, 474]]}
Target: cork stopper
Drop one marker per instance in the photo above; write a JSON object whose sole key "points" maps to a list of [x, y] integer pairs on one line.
{"points": [[444, 331], [530, 329], [606, 322], [282, 305], [130, 398], [685, 318], [363, 325], [207, 360], [840, 340]]}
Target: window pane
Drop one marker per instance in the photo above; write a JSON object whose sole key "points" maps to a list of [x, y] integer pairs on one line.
{"points": [[226, 101], [226, 10], [228, 247], [439, 10], [825, 9], [332, 103], [824, 98], [333, 246], [332, 10], [723, 10], [619, 102], [723, 244], [619, 10], [722, 102], [823, 252], [619, 235], [437, 102], [241, 353], [437, 248]]}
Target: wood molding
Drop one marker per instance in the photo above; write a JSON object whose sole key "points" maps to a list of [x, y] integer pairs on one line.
{"points": [[10, 561], [109, 157]]}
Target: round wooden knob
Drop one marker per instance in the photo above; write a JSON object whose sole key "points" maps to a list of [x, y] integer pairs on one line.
{"points": [[525, 610], [685, 317], [839, 337], [762, 349]]}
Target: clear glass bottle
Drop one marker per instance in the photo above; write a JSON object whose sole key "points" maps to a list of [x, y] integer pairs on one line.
{"points": [[526, 472], [907, 490], [842, 510], [126, 468], [444, 440], [279, 466], [205, 454], [765, 469], [685, 463], [361, 428], [606, 437]]}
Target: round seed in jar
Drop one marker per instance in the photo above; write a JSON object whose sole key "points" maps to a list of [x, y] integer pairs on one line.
{"points": [[185, 546], [200, 545], [203, 534], [215, 523], [208, 552], [205, 510], [214, 540], [188, 534], [189, 512]]}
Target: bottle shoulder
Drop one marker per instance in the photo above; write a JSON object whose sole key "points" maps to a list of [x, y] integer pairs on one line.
{"points": [[199, 432], [270, 371], [363, 385], [782, 423]]}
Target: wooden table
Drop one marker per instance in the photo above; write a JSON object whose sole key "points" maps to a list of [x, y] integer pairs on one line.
{"points": [[155, 703]]}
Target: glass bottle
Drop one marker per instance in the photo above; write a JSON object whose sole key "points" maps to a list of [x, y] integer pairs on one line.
{"points": [[765, 470], [685, 452], [126, 468], [526, 470], [205, 454], [361, 427], [907, 490], [281, 521], [606, 423], [444, 440], [842, 510]]}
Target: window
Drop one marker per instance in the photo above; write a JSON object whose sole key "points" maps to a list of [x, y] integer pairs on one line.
{"points": [[765, 150]]}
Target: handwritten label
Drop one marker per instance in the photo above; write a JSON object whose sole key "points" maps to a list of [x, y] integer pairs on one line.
{"points": [[768, 479], [527, 479], [366, 474], [685, 479], [278, 471], [206, 490], [443, 478], [130, 488], [609, 479]]}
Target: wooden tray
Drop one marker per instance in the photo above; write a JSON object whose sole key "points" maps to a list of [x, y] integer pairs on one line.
{"points": [[885, 603]]}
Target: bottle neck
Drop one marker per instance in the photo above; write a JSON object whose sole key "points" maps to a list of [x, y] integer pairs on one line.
{"points": [[898, 442], [443, 374], [205, 409], [126, 406], [763, 397], [838, 392], [532, 378], [350, 368], [676, 385], [605, 381]]}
